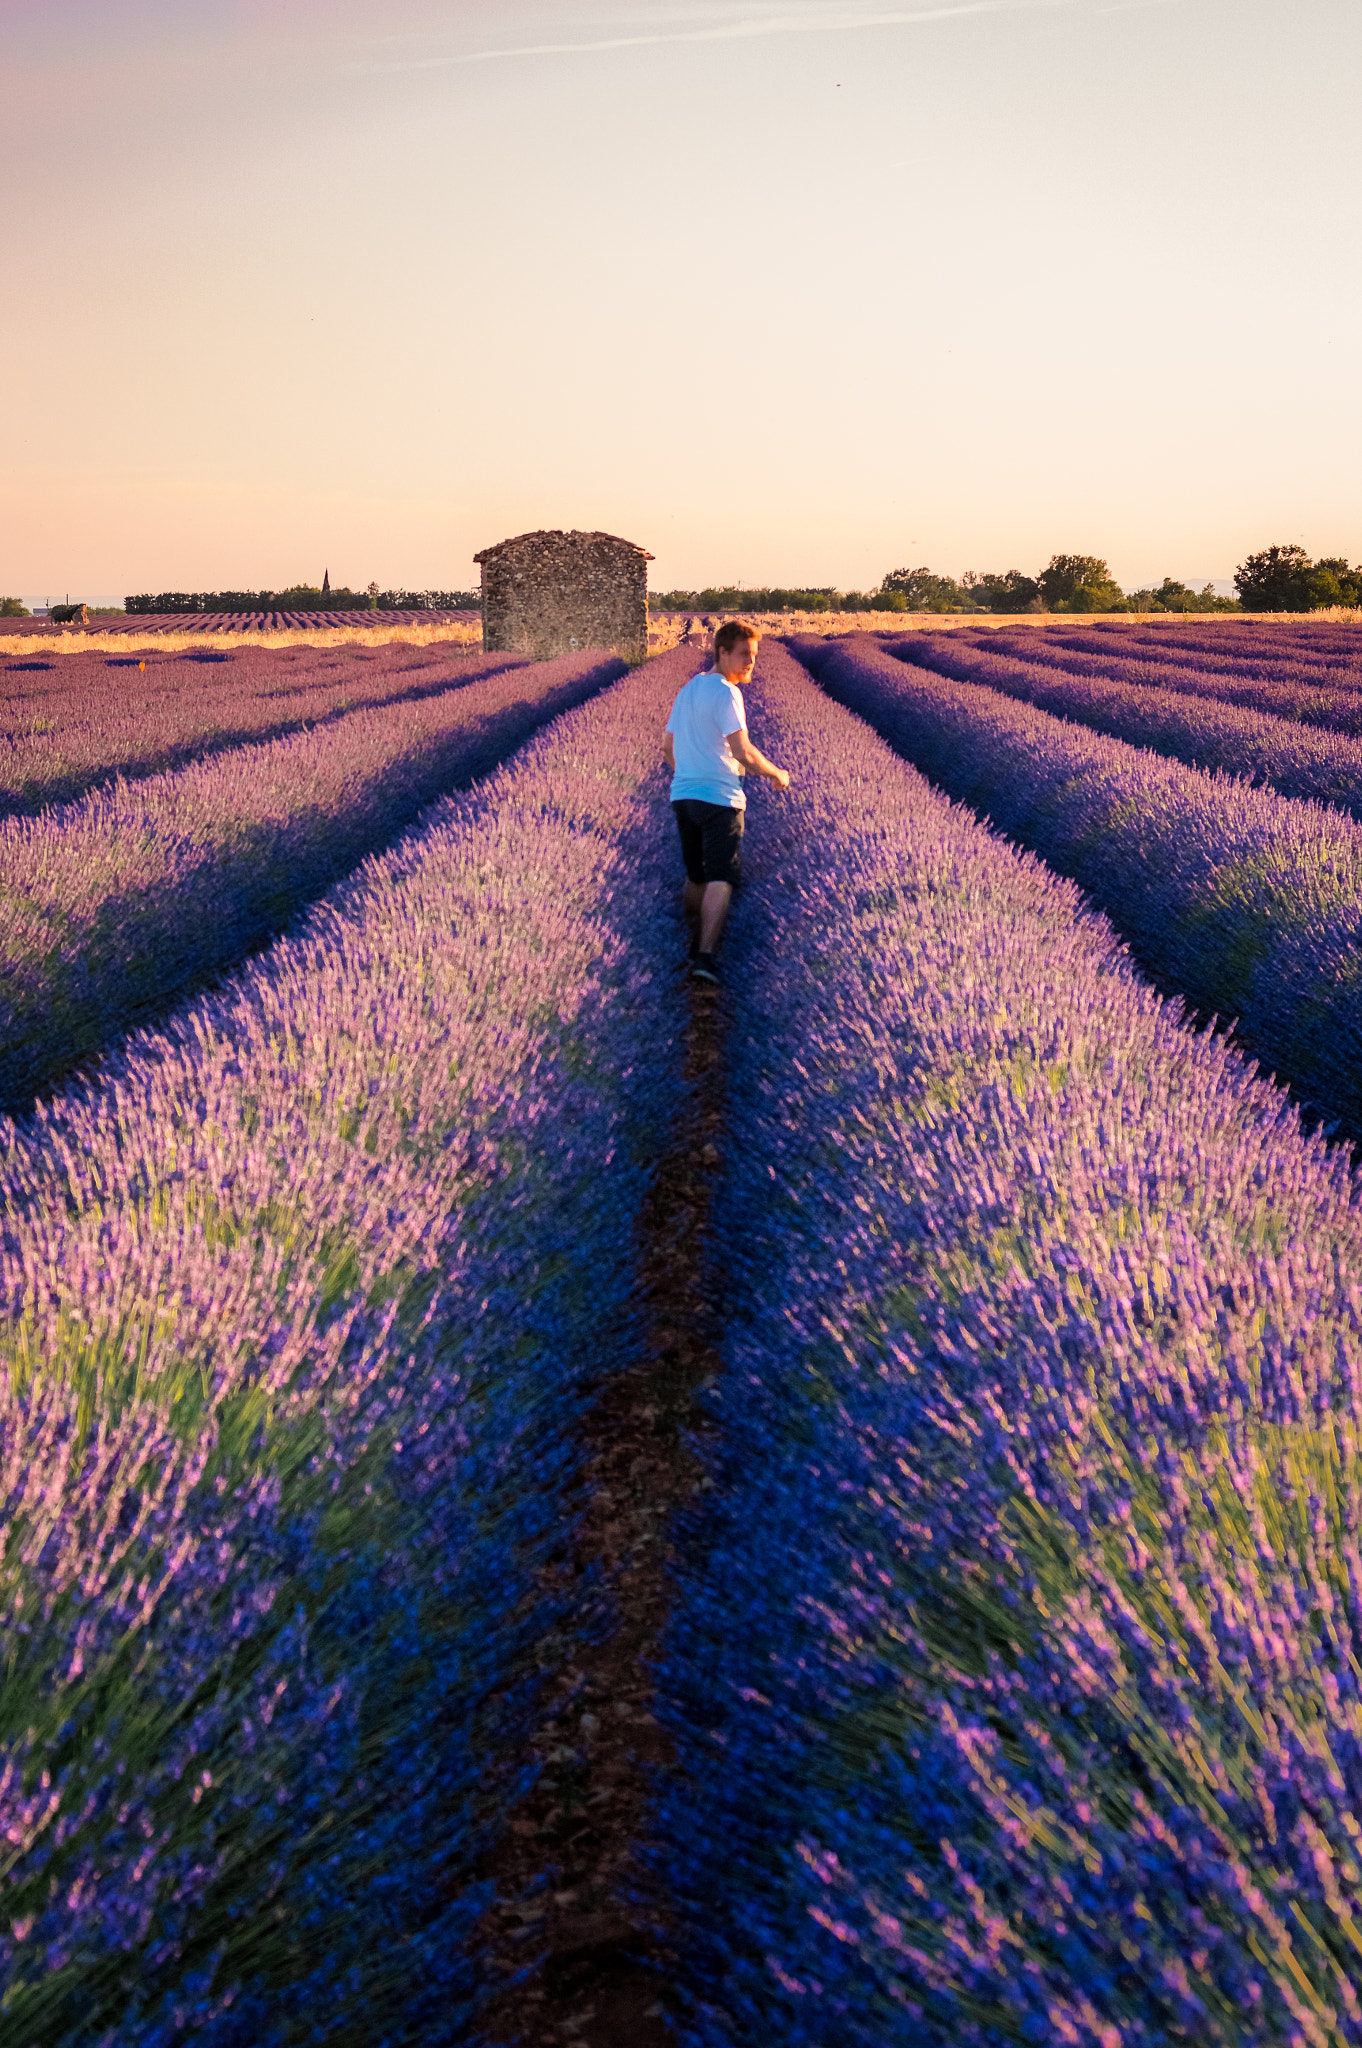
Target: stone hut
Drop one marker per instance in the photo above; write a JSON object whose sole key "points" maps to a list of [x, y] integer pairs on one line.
{"points": [[550, 593]]}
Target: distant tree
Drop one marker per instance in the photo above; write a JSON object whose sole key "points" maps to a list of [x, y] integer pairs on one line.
{"points": [[927, 592], [11, 608], [1079, 583], [429, 600], [164, 601], [1011, 592], [1172, 596], [1331, 581], [821, 597], [1276, 579], [873, 601]]}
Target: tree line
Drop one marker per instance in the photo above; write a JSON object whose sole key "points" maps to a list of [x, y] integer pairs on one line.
{"points": [[1071, 583], [305, 597], [1278, 579], [1284, 579]]}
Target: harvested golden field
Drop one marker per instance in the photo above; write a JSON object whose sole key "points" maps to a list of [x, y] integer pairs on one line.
{"points": [[834, 624], [665, 629], [125, 640]]}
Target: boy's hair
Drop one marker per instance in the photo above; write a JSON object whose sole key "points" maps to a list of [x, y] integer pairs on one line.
{"points": [[731, 632]]}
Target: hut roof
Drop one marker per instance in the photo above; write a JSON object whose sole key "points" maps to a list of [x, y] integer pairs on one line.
{"points": [[557, 533]]}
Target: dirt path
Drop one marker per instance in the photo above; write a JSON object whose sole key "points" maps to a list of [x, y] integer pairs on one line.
{"points": [[605, 1979]]}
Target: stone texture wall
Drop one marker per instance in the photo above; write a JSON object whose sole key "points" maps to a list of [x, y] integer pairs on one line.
{"points": [[550, 593]]}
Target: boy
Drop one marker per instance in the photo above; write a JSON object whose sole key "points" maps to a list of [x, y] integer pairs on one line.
{"points": [[707, 749]]}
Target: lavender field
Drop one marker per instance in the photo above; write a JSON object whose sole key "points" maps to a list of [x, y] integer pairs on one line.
{"points": [[1014, 1677], [301, 1293], [144, 889], [1003, 1669], [69, 723]]}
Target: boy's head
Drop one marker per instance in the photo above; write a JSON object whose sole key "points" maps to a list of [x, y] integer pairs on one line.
{"points": [[735, 649]]}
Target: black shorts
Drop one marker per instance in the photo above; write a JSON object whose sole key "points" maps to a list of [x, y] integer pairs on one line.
{"points": [[711, 840]]}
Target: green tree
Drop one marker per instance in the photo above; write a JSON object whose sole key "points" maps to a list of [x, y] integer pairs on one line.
{"points": [[1332, 581], [1276, 579], [1080, 583], [11, 608], [1172, 596], [926, 592], [1010, 592], [1178, 597]]}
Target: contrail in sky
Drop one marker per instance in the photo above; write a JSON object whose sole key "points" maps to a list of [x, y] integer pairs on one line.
{"points": [[734, 31]]}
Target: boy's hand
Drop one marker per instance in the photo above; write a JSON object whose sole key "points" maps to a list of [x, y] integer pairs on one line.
{"points": [[781, 778]]}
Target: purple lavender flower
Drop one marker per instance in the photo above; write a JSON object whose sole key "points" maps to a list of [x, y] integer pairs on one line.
{"points": [[142, 890], [303, 1299], [76, 721], [1015, 1676], [1246, 902]]}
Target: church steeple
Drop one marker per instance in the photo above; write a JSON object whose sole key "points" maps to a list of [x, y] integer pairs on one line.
{"points": [[326, 583]]}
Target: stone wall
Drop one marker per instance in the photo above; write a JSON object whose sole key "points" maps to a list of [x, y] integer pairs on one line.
{"points": [[550, 593]]}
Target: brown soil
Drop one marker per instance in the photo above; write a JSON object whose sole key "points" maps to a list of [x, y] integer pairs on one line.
{"points": [[604, 1980]]}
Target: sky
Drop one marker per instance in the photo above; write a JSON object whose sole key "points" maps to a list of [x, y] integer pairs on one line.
{"points": [[794, 293]]}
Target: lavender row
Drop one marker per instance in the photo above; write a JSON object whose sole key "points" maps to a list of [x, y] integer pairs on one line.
{"points": [[1330, 655], [92, 716], [1323, 767], [144, 889], [255, 622], [1279, 661], [301, 1306], [54, 683], [1297, 693], [242, 622], [1015, 1680], [1326, 641], [1301, 665], [1246, 902]]}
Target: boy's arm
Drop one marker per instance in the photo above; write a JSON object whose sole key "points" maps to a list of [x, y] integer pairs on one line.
{"points": [[669, 751], [748, 756]]}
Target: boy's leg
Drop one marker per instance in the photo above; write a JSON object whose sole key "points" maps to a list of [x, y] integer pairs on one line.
{"points": [[692, 897], [692, 853], [723, 830], [713, 910]]}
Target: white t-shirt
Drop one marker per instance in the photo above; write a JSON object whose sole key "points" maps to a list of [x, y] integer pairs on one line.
{"points": [[706, 710]]}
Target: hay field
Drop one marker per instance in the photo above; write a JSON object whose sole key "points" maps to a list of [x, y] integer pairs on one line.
{"points": [[129, 640], [831, 625], [665, 629]]}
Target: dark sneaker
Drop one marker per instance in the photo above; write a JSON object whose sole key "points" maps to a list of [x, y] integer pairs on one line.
{"points": [[703, 969]]}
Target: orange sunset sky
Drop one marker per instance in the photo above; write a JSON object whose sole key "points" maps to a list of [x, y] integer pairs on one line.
{"points": [[794, 293]]}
